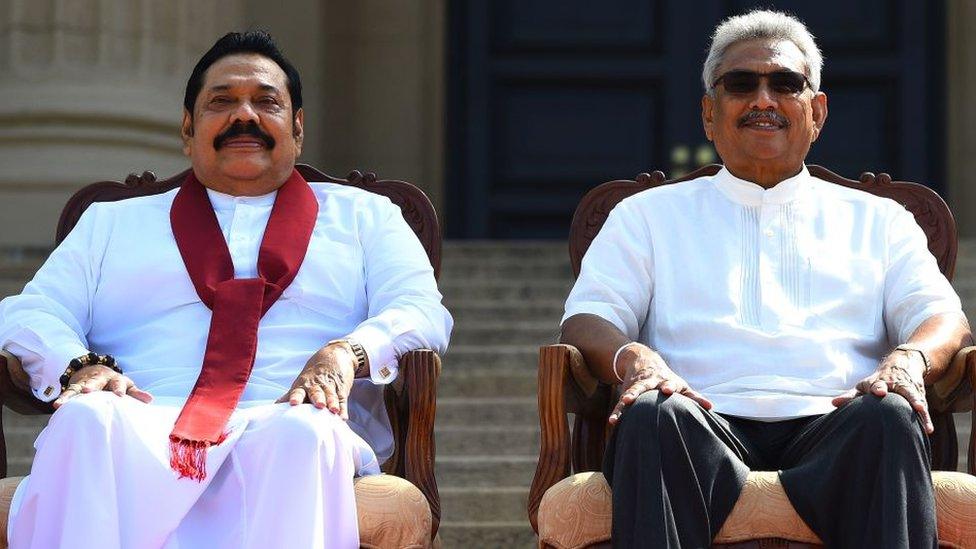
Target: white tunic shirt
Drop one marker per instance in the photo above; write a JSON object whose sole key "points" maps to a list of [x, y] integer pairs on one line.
{"points": [[118, 285], [769, 302]]}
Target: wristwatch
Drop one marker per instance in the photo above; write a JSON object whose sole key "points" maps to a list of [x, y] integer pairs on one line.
{"points": [[911, 348], [362, 369]]}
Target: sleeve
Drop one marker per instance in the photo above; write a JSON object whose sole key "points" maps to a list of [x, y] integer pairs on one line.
{"points": [[405, 310], [45, 326], [914, 288], [616, 279]]}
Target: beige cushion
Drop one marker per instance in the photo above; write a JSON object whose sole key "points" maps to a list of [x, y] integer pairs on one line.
{"points": [[7, 487], [392, 512], [576, 511]]}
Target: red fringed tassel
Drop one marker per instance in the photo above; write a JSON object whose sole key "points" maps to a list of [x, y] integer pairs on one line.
{"points": [[188, 458]]}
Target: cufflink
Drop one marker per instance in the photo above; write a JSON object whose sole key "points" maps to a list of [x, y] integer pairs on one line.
{"points": [[385, 372], [48, 391]]}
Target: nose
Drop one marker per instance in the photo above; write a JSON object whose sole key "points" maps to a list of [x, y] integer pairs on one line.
{"points": [[764, 98], [244, 112]]}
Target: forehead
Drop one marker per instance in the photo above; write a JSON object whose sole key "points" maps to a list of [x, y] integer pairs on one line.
{"points": [[245, 70], [763, 55]]}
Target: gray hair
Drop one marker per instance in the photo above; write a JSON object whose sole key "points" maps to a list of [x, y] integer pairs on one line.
{"points": [[762, 24]]}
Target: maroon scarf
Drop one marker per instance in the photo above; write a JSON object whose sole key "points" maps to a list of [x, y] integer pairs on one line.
{"points": [[237, 305]]}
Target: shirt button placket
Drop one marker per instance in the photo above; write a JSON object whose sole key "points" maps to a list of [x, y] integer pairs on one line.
{"points": [[768, 245]]}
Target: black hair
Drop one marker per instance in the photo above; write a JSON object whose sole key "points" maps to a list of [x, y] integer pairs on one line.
{"points": [[259, 42]]}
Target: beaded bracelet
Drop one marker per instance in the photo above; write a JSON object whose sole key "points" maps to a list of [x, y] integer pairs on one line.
{"points": [[89, 359]]}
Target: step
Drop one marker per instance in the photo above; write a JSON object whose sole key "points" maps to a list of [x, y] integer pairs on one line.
{"points": [[26, 265], [20, 442], [484, 471], [484, 503], [508, 333], [11, 287], [487, 411], [964, 423], [12, 419], [488, 535], [505, 249], [486, 440], [457, 289], [506, 269], [497, 357], [19, 466], [470, 310], [488, 383]]}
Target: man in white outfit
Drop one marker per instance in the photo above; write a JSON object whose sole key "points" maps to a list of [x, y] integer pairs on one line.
{"points": [[217, 353], [765, 319]]}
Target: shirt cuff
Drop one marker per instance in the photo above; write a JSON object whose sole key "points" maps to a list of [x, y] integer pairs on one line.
{"points": [[921, 316], [605, 311], [383, 365], [45, 374]]}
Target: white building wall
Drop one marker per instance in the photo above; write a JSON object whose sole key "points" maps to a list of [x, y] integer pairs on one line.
{"points": [[92, 90]]}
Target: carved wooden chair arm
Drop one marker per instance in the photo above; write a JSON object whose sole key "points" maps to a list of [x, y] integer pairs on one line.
{"points": [[956, 392], [952, 391], [971, 367], [15, 392], [411, 403], [566, 386]]}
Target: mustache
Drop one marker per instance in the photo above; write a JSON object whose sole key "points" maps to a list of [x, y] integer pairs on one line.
{"points": [[768, 116], [238, 129]]}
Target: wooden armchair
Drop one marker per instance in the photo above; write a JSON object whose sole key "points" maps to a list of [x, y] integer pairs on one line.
{"points": [[576, 511], [410, 400]]}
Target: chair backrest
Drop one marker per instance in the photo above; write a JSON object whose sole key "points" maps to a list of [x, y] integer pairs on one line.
{"points": [[414, 204], [931, 212]]}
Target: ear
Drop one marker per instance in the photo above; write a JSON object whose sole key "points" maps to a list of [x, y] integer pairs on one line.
{"points": [[298, 130], [708, 115], [819, 104], [186, 131]]}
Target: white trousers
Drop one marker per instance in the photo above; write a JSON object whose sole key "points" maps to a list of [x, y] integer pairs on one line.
{"points": [[101, 479]]}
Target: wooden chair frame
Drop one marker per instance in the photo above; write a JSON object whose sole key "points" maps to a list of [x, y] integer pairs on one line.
{"points": [[566, 385], [410, 400]]}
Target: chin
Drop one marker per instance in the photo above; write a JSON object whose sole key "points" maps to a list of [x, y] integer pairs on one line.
{"points": [[241, 169]]}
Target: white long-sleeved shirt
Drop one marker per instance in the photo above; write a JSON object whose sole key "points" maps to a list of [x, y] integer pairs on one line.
{"points": [[768, 302], [117, 285]]}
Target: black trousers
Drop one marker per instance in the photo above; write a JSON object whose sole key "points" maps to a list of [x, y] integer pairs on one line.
{"points": [[858, 476]]}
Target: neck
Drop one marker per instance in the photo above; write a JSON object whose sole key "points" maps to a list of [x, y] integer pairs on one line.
{"points": [[249, 188], [258, 186], [765, 177]]}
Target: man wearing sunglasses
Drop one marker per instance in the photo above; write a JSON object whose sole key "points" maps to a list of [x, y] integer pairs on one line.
{"points": [[764, 319]]}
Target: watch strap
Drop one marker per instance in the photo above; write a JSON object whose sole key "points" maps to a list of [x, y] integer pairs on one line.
{"points": [[362, 369]]}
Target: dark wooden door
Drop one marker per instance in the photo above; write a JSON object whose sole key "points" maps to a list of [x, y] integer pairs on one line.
{"points": [[549, 98]]}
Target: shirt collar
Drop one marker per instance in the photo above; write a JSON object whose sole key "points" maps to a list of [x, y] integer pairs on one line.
{"points": [[748, 193], [222, 201]]}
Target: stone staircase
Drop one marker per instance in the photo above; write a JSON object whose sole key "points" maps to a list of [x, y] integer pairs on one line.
{"points": [[506, 298]]}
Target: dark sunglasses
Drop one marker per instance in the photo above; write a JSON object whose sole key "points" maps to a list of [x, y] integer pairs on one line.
{"points": [[782, 82]]}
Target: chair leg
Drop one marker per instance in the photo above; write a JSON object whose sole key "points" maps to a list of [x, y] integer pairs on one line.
{"points": [[971, 465], [3, 448], [945, 446], [601, 545], [589, 442], [768, 543]]}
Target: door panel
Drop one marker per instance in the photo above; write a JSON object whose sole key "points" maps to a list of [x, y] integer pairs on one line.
{"points": [[550, 98]]}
